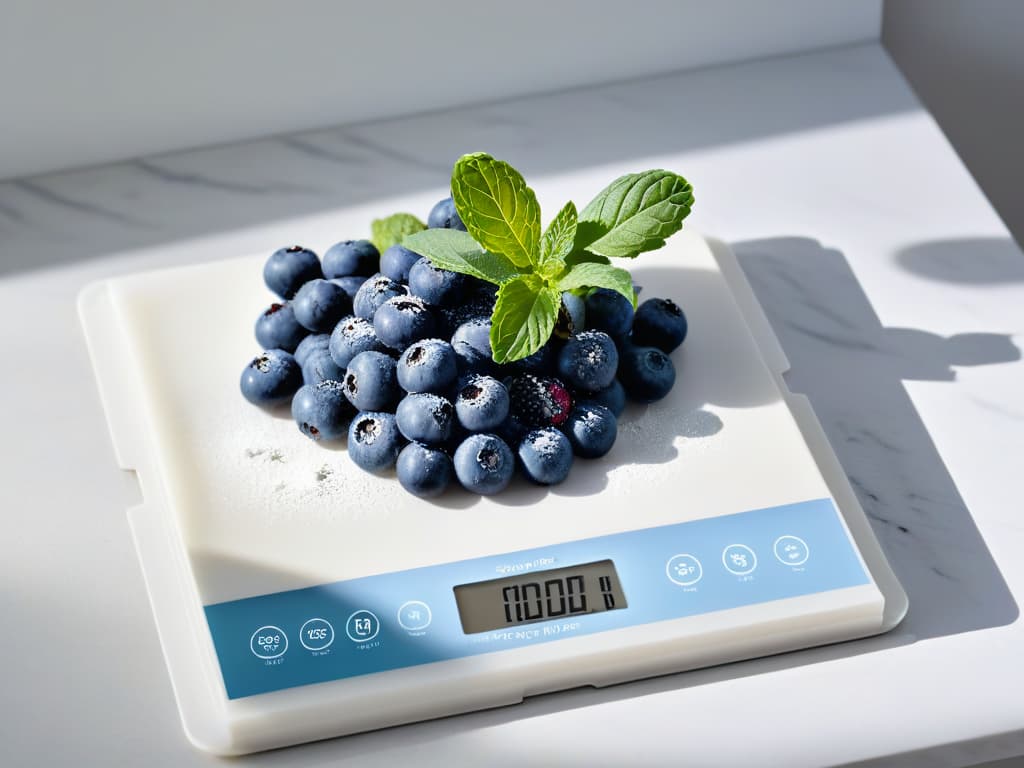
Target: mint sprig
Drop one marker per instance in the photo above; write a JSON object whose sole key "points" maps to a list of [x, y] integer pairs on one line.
{"points": [[635, 213], [557, 242], [457, 251], [390, 231], [504, 243], [501, 212], [524, 317], [596, 275]]}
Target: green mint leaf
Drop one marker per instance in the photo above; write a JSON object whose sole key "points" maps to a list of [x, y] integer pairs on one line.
{"points": [[587, 232], [557, 242], [393, 229], [636, 212], [595, 275], [498, 209], [524, 317], [582, 257], [455, 250]]}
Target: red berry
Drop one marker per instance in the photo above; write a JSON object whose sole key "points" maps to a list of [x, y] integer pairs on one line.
{"points": [[538, 401]]}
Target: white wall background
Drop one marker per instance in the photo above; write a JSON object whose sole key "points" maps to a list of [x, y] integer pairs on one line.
{"points": [[966, 62], [89, 82]]}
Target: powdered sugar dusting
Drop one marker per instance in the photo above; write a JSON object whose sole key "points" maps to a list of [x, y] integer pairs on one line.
{"points": [[266, 471], [268, 474], [357, 328], [546, 441]]}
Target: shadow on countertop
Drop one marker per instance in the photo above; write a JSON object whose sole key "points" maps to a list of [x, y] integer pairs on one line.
{"points": [[852, 369], [968, 261]]}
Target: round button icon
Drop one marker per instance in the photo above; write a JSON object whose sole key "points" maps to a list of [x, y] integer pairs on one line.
{"points": [[268, 642], [362, 626], [739, 559], [316, 635], [414, 616], [791, 550], [684, 570]]}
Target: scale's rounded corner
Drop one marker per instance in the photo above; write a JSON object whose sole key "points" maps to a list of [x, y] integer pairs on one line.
{"points": [[92, 297], [205, 737], [897, 604]]}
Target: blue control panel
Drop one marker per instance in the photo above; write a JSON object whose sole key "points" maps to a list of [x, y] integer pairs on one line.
{"points": [[407, 618]]}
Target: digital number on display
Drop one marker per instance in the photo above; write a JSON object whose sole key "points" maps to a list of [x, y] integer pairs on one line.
{"points": [[506, 602]]}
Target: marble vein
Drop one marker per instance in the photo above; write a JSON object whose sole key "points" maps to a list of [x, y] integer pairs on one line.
{"points": [[191, 178], [11, 212], [391, 153], [308, 148], [998, 408], [873, 437], [40, 192], [829, 338]]}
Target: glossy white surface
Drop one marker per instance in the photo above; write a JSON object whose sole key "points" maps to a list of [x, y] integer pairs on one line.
{"points": [[892, 285]]}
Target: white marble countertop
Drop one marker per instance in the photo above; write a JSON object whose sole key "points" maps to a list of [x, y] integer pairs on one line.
{"points": [[893, 286]]}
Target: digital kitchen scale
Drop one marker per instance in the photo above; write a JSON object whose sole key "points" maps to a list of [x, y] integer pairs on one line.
{"points": [[299, 598]]}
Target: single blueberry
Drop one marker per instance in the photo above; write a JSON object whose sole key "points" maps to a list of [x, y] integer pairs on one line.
{"points": [[481, 289], [373, 293], [288, 269], [512, 430], [370, 381], [659, 323], [277, 328], [542, 362], [396, 262], [646, 373], [427, 366], [459, 433], [320, 304], [472, 344], [484, 464], [374, 441], [350, 285], [572, 315], [609, 311], [351, 336], [591, 429], [477, 300], [322, 411], [425, 418], [589, 360], [435, 286], [482, 404], [546, 456], [612, 397], [623, 344], [319, 366], [423, 471], [473, 308], [444, 216], [271, 378], [402, 320], [315, 341], [351, 257]]}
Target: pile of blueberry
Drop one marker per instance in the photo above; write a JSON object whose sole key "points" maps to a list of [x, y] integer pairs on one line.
{"points": [[395, 354]]}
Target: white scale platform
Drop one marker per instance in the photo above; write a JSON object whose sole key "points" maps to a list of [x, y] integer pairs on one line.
{"points": [[298, 598]]}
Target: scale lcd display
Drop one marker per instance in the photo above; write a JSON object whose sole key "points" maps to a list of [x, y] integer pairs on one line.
{"points": [[539, 596]]}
